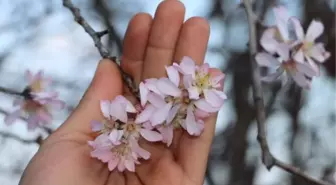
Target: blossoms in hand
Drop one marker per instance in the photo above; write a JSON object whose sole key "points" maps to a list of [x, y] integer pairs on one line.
{"points": [[184, 99], [35, 102], [298, 53]]}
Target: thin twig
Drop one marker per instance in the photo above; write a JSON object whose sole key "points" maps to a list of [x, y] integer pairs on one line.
{"points": [[38, 140], [267, 158], [128, 80], [102, 33], [10, 91]]}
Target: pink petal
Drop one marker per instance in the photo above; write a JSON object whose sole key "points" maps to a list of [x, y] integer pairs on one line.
{"points": [[96, 126], [315, 29], [10, 118], [268, 41], [160, 115], [265, 59], [33, 122], [143, 93], [273, 76], [319, 53], [306, 69], [201, 114], [282, 17], [105, 108], [203, 70], [121, 165], [283, 50], [187, 81], [298, 28], [103, 155], [115, 136], [44, 116], [156, 100], [173, 75], [18, 101], [137, 149], [187, 66], [193, 128], [193, 93], [122, 100], [216, 78], [151, 85], [130, 166], [203, 105], [113, 163], [167, 134], [150, 135], [145, 114], [118, 111], [172, 113], [299, 56], [167, 87], [300, 79], [213, 98], [57, 104]]}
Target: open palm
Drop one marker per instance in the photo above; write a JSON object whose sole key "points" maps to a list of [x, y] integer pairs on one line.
{"points": [[149, 45]]}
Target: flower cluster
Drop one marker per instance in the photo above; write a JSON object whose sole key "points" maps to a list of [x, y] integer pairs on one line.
{"points": [[35, 102], [290, 51], [184, 99]]}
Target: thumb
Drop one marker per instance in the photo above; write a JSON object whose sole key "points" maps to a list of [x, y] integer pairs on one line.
{"points": [[106, 84]]}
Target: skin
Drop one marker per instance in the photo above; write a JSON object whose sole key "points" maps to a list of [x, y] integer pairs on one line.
{"points": [[150, 44]]}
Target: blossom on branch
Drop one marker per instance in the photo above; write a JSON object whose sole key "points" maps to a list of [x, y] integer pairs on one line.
{"points": [[35, 103]]}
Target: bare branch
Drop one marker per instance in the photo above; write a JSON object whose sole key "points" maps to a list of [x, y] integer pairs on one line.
{"points": [[102, 33], [267, 158], [128, 80], [38, 140], [10, 91]]}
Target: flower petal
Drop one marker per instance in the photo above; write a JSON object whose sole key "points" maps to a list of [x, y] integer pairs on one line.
{"points": [[315, 29], [273, 76], [193, 128], [167, 87], [203, 70], [193, 93], [187, 81], [213, 98], [314, 66], [201, 114], [113, 163], [143, 93], [105, 108], [137, 149], [115, 136], [118, 111], [145, 114], [173, 75], [299, 56], [187, 66], [130, 166], [300, 79], [160, 115], [172, 113], [282, 17], [96, 126], [167, 134], [265, 59], [156, 100], [306, 69], [216, 78], [298, 28], [129, 106], [203, 105], [10, 118], [283, 50], [319, 53], [150, 135], [121, 166], [18, 101], [268, 41]]}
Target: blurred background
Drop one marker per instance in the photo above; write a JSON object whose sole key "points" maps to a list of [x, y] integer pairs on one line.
{"points": [[41, 34]]}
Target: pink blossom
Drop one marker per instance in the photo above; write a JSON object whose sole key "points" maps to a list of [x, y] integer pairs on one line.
{"points": [[122, 157], [286, 67], [306, 49]]}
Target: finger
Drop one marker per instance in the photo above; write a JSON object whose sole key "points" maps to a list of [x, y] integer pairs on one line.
{"points": [[166, 26], [135, 42], [88, 109], [193, 43], [192, 152]]}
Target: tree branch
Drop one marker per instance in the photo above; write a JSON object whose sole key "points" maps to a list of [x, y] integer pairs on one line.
{"points": [[128, 80], [38, 140], [10, 91], [267, 158]]}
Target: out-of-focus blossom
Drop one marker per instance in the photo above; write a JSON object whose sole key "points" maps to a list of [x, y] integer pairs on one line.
{"points": [[286, 67], [306, 49], [35, 103]]}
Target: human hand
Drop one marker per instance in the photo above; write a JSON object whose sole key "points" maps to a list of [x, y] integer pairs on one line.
{"points": [[149, 45]]}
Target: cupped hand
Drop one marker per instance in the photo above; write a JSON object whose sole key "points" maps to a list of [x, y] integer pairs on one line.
{"points": [[149, 45]]}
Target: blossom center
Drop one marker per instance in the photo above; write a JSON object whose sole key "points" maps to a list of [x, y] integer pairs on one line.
{"points": [[121, 149], [289, 66], [202, 81]]}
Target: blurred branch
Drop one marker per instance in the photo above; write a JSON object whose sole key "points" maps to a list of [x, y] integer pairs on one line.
{"points": [[98, 43], [10, 91], [268, 159], [38, 140], [106, 14]]}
